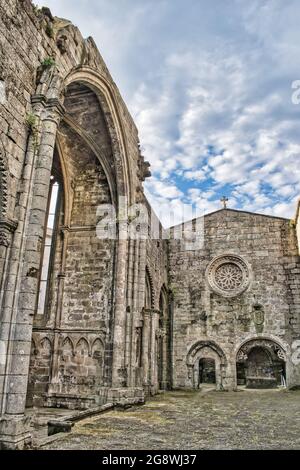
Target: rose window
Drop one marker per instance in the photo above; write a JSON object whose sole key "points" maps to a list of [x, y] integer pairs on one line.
{"points": [[228, 275]]}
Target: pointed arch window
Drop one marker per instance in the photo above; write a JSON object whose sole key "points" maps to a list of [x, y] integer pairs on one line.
{"points": [[49, 242]]}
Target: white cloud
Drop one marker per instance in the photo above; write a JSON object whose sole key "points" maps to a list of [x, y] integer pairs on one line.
{"points": [[211, 97]]}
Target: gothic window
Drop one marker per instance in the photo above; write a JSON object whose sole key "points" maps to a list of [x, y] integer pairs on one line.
{"points": [[148, 291], [54, 203]]}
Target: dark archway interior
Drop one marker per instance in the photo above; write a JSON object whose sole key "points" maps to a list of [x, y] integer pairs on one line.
{"points": [[207, 371], [261, 369]]}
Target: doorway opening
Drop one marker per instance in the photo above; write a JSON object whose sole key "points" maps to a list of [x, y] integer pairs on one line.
{"points": [[261, 366], [207, 371]]}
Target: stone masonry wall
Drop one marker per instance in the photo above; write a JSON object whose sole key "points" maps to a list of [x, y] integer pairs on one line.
{"points": [[269, 246], [38, 55], [28, 38]]}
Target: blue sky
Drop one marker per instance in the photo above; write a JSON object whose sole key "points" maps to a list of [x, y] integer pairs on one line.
{"points": [[209, 85]]}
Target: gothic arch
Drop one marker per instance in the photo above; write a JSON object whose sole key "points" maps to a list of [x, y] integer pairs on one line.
{"points": [[202, 344], [97, 345], [264, 338], [105, 163], [201, 350], [68, 345], [52, 85], [261, 362], [82, 346], [108, 102]]}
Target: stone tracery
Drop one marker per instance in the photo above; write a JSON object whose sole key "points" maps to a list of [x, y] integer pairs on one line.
{"points": [[228, 275]]}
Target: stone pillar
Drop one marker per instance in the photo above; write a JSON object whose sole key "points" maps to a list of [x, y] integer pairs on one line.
{"points": [[58, 314], [130, 338], [7, 227], [139, 304], [154, 352], [119, 373], [165, 354], [20, 301], [146, 348]]}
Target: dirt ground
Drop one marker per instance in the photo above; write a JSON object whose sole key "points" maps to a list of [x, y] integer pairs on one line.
{"points": [[205, 419]]}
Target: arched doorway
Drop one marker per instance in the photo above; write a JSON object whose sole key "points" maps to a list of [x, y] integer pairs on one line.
{"points": [[206, 363], [261, 364]]}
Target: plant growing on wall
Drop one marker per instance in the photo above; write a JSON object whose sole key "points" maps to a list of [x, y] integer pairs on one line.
{"points": [[31, 121], [36, 9], [32, 125], [49, 31], [48, 62]]}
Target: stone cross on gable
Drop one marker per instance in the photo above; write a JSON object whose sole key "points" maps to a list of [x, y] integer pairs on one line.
{"points": [[224, 200]]}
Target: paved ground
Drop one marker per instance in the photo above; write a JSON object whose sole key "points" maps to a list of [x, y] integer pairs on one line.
{"points": [[195, 420]]}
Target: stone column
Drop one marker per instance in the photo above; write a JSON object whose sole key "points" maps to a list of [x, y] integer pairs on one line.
{"points": [[130, 312], [153, 353], [119, 375], [165, 354], [58, 313], [139, 304], [22, 305], [146, 348]]}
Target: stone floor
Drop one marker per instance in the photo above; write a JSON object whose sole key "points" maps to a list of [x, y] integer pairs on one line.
{"points": [[207, 419]]}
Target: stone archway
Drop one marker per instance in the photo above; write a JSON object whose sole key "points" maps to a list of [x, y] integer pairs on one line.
{"points": [[83, 131], [204, 352], [261, 363]]}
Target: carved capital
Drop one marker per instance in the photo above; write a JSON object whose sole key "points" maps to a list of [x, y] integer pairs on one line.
{"points": [[53, 106], [7, 227], [150, 311], [4, 239]]}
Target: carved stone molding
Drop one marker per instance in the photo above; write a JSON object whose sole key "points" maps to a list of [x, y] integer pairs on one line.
{"points": [[144, 169], [7, 227], [205, 345], [274, 349], [228, 275], [150, 311], [3, 182]]}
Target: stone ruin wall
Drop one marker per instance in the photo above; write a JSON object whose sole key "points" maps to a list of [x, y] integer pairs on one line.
{"points": [[31, 40], [269, 246]]}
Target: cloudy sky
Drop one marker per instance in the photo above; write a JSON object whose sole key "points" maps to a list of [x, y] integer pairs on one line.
{"points": [[209, 85]]}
